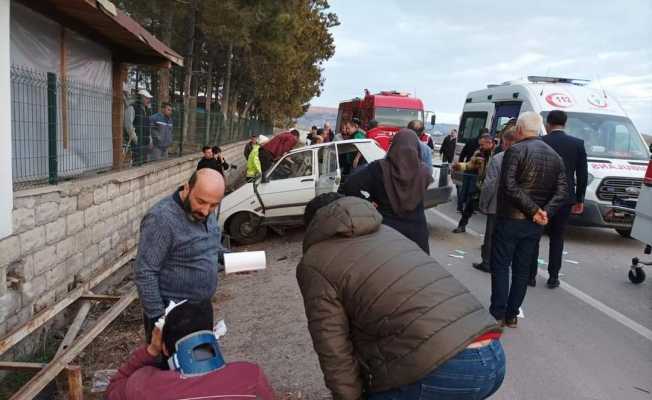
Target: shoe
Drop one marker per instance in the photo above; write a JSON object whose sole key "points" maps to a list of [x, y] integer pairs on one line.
{"points": [[459, 229], [482, 267], [532, 282], [510, 322], [553, 283]]}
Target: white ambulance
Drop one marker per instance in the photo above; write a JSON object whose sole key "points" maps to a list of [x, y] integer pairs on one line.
{"points": [[617, 153]]}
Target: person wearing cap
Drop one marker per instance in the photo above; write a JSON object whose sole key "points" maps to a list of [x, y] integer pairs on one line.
{"points": [[197, 369], [142, 125]]}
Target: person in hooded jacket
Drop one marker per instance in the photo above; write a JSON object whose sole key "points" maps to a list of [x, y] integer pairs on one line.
{"points": [[396, 185], [386, 320]]}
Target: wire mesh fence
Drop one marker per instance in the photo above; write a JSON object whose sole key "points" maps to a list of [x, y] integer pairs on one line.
{"points": [[63, 128]]}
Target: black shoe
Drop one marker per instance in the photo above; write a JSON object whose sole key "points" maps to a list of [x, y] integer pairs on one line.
{"points": [[553, 283], [459, 229], [510, 322], [532, 282], [482, 267]]}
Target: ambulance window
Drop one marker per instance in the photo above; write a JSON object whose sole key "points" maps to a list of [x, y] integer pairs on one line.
{"points": [[470, 125]]}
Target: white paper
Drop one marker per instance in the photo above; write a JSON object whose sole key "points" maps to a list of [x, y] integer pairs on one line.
{"points": [[572, 261], [521, 314], [455, 256], [244, 261], [220, 329]]}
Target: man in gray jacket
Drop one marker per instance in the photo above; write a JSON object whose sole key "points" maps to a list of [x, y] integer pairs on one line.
{"points": [[179, 247], [161, 132], [489, 197]]}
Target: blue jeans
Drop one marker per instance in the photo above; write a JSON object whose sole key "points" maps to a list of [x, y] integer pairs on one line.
{"points": [[515, 243], [473, 374]]}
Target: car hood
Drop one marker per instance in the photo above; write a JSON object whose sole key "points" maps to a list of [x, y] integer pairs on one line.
{"points": [[603, 167]]}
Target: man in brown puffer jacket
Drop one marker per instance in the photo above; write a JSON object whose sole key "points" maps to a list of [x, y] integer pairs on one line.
{"points": [[385, 318]]}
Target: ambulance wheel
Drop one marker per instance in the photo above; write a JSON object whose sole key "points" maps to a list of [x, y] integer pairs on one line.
{"points": [[626, 233], [636, 275], [246, 228]]}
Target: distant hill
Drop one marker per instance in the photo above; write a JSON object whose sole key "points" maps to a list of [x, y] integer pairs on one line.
{"points": [[318, 116]]}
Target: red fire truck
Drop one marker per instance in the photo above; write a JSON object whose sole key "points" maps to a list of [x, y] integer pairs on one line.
{"points": [[391, 109]]}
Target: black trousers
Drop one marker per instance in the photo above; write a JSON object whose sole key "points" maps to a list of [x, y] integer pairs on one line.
{"points": [[556, 232], [266, 160], [486, 248]]}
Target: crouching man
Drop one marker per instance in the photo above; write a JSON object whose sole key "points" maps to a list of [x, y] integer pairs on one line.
{"points": [[196, 367], [386, 320]]}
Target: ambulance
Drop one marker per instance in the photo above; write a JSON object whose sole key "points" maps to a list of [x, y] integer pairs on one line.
{"points": [[617, 154]]}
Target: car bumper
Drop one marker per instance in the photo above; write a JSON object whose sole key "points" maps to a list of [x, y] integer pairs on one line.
{"points": [[603, 215]]}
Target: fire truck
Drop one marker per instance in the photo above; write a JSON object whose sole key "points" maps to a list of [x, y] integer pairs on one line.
{"points": [[390, 109]]}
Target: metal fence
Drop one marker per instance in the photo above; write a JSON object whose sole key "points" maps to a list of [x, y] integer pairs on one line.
{"points": [[62, 129]]}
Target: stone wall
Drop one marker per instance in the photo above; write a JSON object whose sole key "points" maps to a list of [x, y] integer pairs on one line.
{"points": [[65, 233]]}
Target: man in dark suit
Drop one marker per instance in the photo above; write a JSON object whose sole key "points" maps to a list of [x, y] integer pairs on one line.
{"points": [[572, 151]]}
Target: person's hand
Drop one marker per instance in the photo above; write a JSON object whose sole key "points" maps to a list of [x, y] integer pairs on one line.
{"points": [[578, 208], [456, 167], [154, 348], [133, 136], [541, 217]]}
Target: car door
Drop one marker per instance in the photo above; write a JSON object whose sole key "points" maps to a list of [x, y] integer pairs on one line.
{"points": [[290, 185], [329, 169]]}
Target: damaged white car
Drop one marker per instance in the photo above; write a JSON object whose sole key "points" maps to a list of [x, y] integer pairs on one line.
{"points": [[278, 199]]}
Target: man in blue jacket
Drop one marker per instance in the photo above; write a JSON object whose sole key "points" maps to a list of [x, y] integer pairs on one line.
{"points": [[161, 132]]}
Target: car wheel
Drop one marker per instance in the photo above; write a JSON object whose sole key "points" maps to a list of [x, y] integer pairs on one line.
{"points": [[246, 228], [626, 233]]}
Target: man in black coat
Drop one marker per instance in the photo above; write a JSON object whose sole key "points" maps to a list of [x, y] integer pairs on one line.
{"points": [[447, 149], [532, 187], [573, 153]]}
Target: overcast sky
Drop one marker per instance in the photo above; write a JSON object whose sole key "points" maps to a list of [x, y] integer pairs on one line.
{"points": [[443, 50]]}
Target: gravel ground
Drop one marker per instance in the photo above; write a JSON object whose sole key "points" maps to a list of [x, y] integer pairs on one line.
{"points": [[265, 321]]}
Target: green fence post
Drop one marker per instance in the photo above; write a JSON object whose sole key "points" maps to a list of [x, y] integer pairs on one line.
{"points": [[53, 168]]}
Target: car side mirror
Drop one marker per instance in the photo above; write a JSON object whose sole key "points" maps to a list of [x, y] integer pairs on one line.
{"points": [[433, 119]]}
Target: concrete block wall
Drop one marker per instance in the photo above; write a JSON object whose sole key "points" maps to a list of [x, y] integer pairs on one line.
{"points": [[64, 234]]}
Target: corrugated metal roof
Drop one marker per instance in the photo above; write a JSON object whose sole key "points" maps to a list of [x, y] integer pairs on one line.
{"points": [[102, 21]]}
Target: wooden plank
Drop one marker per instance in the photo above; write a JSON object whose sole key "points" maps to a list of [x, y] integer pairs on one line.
{"points": [[100, 297], [22, 331], [75, 384], [21, 366], [59, 363], [75, 327]]}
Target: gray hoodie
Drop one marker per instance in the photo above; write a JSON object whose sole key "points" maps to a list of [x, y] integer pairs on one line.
{"points": [[161, 130]]}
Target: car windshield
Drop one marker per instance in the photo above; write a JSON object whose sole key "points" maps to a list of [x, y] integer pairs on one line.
{"points": [[606, 136], [397, 116]]}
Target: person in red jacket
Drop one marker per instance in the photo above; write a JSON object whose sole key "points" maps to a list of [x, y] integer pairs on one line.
{"points": [[277, 147], [197, 369]]}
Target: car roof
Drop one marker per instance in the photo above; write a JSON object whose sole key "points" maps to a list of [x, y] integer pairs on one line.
{"points": [[316, 146]]}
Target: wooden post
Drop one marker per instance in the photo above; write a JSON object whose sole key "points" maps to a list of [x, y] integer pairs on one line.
{"points": [[119, 77], [75, 384]]}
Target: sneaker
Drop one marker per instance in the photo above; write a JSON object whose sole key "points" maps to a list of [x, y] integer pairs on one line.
{"points": [[553, 283], [510, 322], [459, 229], [532, 282], [481, 266]]}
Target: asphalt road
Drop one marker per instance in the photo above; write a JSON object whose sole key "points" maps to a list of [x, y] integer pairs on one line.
{"points": [[589, 339]]}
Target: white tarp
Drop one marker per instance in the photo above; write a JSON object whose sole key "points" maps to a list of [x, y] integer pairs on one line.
{"points": [[36, 47]]}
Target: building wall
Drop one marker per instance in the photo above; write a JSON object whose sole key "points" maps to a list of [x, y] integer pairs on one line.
{"points": [[6, 200], [64, 234]]}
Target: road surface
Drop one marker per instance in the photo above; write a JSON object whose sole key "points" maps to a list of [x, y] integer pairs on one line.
{"points": [[589, 339]]}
